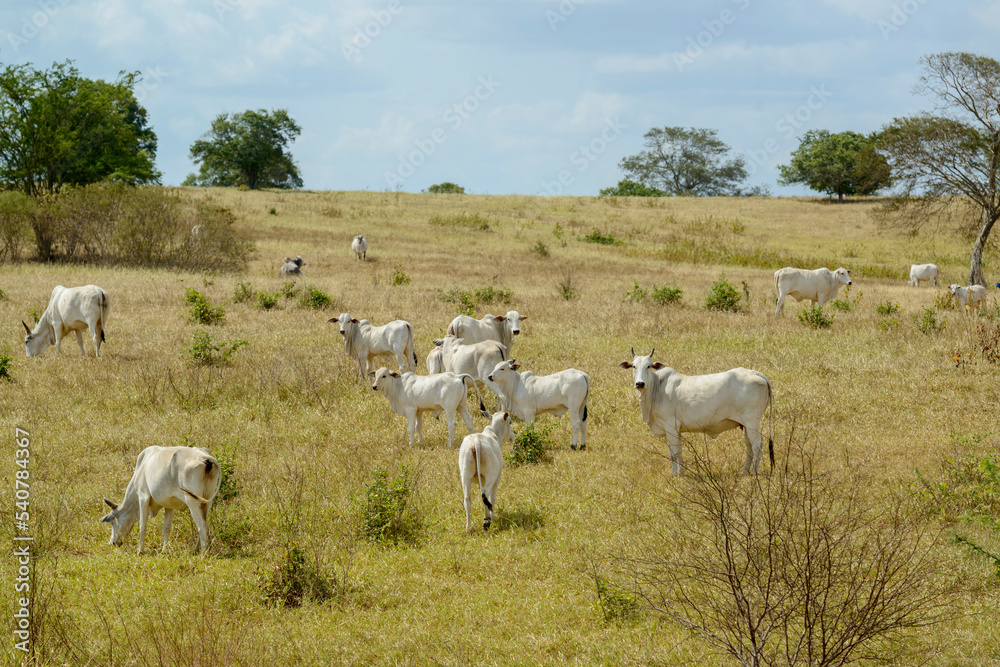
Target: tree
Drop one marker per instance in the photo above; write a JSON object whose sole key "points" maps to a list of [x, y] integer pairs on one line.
{"points": [[627, 188], [950, 157], [248, 148], [686, 162], [446, 188], [845, 163], [58, 128]]}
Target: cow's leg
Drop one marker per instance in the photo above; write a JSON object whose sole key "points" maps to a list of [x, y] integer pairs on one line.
{"points": [[463, 410], [449, 415], [575, 422], [199, 512], [79, 341], [583, 433], [58, 336], [754, 441], [414, 425], [674, 445], [168, 516], [490, 513], [404, 367], [143, 519], [467, 468], [781, 303]]}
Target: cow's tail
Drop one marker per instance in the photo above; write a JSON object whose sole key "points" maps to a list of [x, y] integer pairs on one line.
{"points": [[104, 310], [195, 496], [770, 422], [482, 406], [413, 348], [482, 491]]}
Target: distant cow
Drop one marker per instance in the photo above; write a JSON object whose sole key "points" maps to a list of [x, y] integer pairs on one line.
{"points": [[820, 285], [928, 272], [362, 341], [526, 395], [492, 327], [70, 309], [974, 296], [360, 247], [412, 395], [672, 404], [171, 478], [481, 458], [293, 267], [477, 360]]}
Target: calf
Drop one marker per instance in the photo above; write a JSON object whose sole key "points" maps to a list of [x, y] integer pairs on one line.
{"points": [[360, 247], [526, 395], [70, 309], [974, 296], [171, 478], [412, 395], [362, 341], [481, 457]]}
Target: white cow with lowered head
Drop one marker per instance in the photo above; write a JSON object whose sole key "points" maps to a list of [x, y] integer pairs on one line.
{"points": [[481, 458], [170, 478], [672, 404], [70, 309], [817, 286]]}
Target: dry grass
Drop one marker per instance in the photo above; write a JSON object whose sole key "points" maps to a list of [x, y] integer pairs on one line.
{"points": [[306, 434]]}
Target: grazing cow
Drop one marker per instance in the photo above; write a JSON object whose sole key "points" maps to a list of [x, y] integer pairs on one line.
{"points": [[362, 341], [928, 272], [974, 296], [526, 395], [360, 247], [501, 329], [435, 361], [672, 404], [70, 309], [477, 360], [171, 478], [819, 286], [412, 395], [481, 457], [293, 267]]}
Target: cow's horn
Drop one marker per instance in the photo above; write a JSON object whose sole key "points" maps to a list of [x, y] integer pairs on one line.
{"points": [[26, 327], [651, 352], [632, 349]]}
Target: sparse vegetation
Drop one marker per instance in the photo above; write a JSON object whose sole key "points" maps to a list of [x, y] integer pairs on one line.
{"points": [[531, 446], [465, 220], [388, 510], [665, 294], [841, 305], [6, 363], [399, 276], [928, 322], [295, 579], [814, 317], [540, 249], [266, 300], [484, 296], [601, 238], [723, 296], [201, 311], [204, 351], [887, 308]]}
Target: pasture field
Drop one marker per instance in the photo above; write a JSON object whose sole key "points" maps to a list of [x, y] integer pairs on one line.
{"points": [[872, 398]]}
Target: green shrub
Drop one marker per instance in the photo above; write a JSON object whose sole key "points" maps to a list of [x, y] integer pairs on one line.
{"points": [[229, 485], [945, 301], [296, 578], [446, 188], [272, 211], [841, 306], [887, 308], [601, 239], [243, 292], [814, 317], [664, 294], [315, 298], [614, 604], [204, 351], [203, 312], [6, 363], [565, 287], [387, 512], [531, 445], [629, 188], [928, 323], [289, 290], [35, 314], [636, 294], [16, 216], [399, 277], [723, 296], [540, 249], [266, 300], [484, 296]]}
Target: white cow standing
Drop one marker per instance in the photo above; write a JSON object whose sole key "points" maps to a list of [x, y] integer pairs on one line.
{"points": [[820, 285], [170, 478], [491, 327], [974, 296], [362, 342], [70, 309], [928, 272], [412, 395], [672, 404], [360, 247], [477, 360], [527, 395], [481, 458]]}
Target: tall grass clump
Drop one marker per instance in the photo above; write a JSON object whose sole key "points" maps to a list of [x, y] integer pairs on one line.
{"points": [[388, 513]]}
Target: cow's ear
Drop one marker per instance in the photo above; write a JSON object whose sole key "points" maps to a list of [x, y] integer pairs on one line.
{"points": [[657, 365], [626, 364], [522, 317], [514, 366], [332, 320], [498, 318], [506, 416], [394, 374], [355, 320], [371, 374]]}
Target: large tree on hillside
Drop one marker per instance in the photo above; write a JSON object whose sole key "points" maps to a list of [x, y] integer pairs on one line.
{"points": [[249, 148], [844, 163], [686, 162], [58, 128], [951, 155]]}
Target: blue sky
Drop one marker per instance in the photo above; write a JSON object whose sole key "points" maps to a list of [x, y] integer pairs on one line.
{"points": [[504, 96]]}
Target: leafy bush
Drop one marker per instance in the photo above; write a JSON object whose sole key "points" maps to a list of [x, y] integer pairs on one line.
{"points": [[484, 296], [887, 308], [841, 305], [636, 294], [296, 578], [204, 351], [664, 294], [6, 362], [289, 290], [531, 445], [945, 301], [229, 485], [243, 292], [814, 317], [399, 277], [203, 312], [629, 188], [266, 300], [446, 188], [387, 513], [315, 298], [565, 287], [723, 296], [928, 323], [602, 239], [16, 211]]}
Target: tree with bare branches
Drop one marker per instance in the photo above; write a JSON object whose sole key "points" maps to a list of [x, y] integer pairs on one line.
{"points": [[950, 156]]}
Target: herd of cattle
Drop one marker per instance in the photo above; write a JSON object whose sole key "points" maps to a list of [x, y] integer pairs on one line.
{"points": [[471, 353]]}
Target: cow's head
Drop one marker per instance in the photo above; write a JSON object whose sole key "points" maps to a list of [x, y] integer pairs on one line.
{"points": [[500, 424], [509, 366], [513, 320], [121, 522], [640, 368], [843, 276], [344, 321], [953, 288], [36, 342], [381, 377]]}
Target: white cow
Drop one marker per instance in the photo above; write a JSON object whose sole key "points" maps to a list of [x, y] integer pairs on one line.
{"points": [[928, 272], [492, 327], [477, 360], [362, 341], [672, 404], [360, 247], [293, 267], [171, 478], [435, 361], [70, 309], [820, 285], [481, 457], [412, 395], [526, 395], [974, 296]]}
